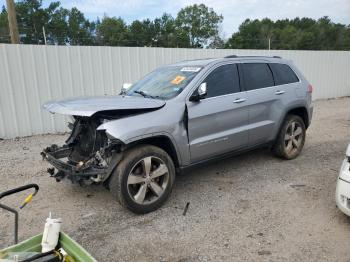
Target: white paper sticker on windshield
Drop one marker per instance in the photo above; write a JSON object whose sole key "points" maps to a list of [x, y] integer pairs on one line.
{"points": [[190, 69]]}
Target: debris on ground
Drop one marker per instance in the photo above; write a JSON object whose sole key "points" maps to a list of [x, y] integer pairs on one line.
{"points": [[264, 252], [297, 186], [186, 208]]}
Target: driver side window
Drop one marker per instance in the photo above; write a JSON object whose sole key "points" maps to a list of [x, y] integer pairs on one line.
{"points": [[223, 80]]}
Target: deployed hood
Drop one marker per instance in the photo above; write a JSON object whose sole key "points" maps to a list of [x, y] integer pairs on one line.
{"points": [[87, 106]]}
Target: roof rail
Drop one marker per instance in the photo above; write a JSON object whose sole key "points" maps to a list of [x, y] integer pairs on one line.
{"points": [[235, 56]]}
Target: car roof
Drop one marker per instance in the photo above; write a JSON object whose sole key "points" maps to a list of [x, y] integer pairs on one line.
{"points": [[206, 61], [197, 62]]}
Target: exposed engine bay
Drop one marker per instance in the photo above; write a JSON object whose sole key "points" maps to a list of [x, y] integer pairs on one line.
{"points": [[88, 155]]}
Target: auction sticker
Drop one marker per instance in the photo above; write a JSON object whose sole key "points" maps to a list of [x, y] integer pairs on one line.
{"points": [[178, 79], [190, 69]]}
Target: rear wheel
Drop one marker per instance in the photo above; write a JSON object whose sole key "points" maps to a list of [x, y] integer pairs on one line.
{"points": [[291, 139], [144, 178]]}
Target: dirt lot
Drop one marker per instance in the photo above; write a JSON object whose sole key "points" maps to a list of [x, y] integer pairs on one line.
{"points": [[245, 208]]}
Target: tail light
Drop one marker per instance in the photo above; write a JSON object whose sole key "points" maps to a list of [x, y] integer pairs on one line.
{"points": [[310, 89]]}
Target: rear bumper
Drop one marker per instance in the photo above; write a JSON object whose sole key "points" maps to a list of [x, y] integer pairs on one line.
{"points": [[311, 111], [342, 195]]}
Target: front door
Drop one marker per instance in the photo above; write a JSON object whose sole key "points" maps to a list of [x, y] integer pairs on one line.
{"points": [[218, 123]]}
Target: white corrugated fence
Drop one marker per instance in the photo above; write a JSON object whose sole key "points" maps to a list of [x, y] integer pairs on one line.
{"points": [[31, 75]]}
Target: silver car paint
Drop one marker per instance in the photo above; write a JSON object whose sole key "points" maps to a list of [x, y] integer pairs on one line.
{"points": [[261, 105], [215, 125], [87, 106]]}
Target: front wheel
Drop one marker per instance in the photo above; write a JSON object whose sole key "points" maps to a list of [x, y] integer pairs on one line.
{"points": [[291, 138], [144, 178]]}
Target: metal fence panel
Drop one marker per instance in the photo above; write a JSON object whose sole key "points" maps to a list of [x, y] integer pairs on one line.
{"points": [[31, 75]]}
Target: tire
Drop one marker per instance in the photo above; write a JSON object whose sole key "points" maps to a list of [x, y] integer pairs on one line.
{"points": [[136, 181], [289, 142]]}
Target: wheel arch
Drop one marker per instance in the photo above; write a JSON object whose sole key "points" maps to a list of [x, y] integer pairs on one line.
{"points": [[301, 112], [162, 141]]}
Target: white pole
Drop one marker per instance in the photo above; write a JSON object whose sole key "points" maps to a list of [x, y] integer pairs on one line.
{"points": [[269, 43], [44, 35]]}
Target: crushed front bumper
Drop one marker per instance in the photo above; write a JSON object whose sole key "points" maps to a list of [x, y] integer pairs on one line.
{"points": [[58, 157]]}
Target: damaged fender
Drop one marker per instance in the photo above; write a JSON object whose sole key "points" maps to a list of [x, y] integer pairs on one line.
{"points": [[163, 122]]}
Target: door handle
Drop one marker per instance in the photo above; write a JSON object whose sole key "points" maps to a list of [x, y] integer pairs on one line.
{"points": [[239, 100], [279, 92]]}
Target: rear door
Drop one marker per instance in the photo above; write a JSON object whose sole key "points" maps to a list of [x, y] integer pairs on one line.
{"points": [[287, 83], [217, 124], [258, 81]]}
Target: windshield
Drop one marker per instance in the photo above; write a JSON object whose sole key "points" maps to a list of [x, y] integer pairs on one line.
{"points": [[164, 83]]}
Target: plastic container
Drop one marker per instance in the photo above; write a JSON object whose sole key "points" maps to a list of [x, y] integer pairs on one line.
{"points": [[51, 234]]}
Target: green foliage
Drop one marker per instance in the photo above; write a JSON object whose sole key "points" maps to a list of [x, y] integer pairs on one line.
{"points": [[200, 23], [62, 26], [79, 29], [112, 31], [4, 27], [141, 33], [195, 26], [302, 34]]}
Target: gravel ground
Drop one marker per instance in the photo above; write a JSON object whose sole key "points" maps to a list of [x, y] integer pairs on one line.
{"points": [[245, 208]]}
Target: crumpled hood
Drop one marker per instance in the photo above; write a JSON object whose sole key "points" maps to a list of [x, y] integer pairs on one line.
{"points": [[87, 106]]}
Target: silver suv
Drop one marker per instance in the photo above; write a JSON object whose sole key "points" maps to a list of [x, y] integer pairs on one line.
{"points": [[178, 116]]}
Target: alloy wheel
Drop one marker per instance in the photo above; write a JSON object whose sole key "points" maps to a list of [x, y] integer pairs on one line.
{"points": [[293, 138], [147, 180]]}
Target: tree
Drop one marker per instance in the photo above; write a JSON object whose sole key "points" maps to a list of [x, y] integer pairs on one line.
{"points": [[252, 34], [195, 26], [4, 27], [200, 23], [112, 31], [57, 29], [299, 33], [80, 30], [62, 26], [31, 18], [217, 42], [141, 33], [168, 34]]}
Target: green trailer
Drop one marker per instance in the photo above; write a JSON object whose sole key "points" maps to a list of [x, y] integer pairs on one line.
{"points": [[74, 252]]}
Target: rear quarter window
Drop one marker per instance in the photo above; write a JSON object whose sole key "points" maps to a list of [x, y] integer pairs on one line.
{"points": [[257, 75], [283, 74]]}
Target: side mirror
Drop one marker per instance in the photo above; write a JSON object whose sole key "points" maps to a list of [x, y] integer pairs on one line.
{"points": [[201, 93], [125, 87]]}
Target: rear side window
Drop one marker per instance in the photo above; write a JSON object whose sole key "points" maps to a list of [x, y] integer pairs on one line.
{"points": [[256, 76], [283, 74], [222, 81]]}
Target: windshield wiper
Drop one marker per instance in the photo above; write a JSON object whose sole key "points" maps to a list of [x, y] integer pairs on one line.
{"points": [[141, 93], [145, 94]]}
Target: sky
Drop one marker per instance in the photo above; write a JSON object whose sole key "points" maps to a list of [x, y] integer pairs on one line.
{"points": [[234, 11]]}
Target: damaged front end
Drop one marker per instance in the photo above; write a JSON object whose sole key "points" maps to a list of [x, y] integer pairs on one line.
{"points": [[89, 155]]}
